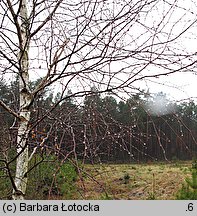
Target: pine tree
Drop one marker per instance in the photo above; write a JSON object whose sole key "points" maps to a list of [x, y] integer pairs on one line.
{"points": [[189, 188]]}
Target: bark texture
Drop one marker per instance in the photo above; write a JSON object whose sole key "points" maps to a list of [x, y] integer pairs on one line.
{"points": [[24, 107]]}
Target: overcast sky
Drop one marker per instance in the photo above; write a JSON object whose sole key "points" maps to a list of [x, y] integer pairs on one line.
{"points": [[177, 86]]}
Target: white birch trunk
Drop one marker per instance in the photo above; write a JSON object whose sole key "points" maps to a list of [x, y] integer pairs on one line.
{"points": [[24, 111]]}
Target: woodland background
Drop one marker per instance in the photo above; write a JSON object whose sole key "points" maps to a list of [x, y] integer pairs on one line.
{"points": [[106, 129]]}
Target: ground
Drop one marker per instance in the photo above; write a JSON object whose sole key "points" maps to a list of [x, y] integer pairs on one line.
{"points": [[133, 181]]}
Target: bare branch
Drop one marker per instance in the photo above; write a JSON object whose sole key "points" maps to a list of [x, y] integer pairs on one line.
{"points": [[9, 110], [15, 18], [46, 20]]}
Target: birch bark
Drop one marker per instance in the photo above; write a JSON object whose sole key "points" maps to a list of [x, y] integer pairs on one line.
{"points": [[24, 107]]}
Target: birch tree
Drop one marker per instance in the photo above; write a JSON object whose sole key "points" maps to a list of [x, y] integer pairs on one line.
{"points": [[112, 44]]}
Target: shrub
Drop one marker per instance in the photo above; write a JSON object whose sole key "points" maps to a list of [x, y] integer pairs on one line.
{"points": [[5, 185], [189, 188], [51, 178], [66, 179], [126, 178], [5, 182]]}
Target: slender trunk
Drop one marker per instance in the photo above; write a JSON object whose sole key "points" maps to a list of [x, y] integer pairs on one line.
{"points": [[22, 160], [24, 109]]}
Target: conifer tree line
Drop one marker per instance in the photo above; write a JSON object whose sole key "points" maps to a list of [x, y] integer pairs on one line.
{"points": [[102, 128]]}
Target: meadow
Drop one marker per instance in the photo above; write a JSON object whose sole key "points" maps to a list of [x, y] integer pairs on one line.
{"points": [[159, 181], [150, 181]]}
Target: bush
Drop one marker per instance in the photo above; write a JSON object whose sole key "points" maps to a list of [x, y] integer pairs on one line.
{"points": [[47, 177], [189, 188], [5, 182], [50, 178], [5, 185], [66, 179], [126, 178]]}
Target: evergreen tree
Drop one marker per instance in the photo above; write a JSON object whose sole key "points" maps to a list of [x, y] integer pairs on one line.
{"points": [[189, 188]]}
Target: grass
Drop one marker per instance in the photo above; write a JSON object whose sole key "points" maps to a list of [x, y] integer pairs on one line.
{"points": [[133, 181]]}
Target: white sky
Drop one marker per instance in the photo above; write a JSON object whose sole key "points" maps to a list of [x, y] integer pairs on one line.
{"points": [[183, 85], [177, 86]]}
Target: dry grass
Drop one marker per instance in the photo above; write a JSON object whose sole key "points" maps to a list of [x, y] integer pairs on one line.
{"points": [[135, 182]]}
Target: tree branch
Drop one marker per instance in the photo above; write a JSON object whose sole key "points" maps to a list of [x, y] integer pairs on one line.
{"points": [[14, 15], [47, 19], [9, 109]]}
